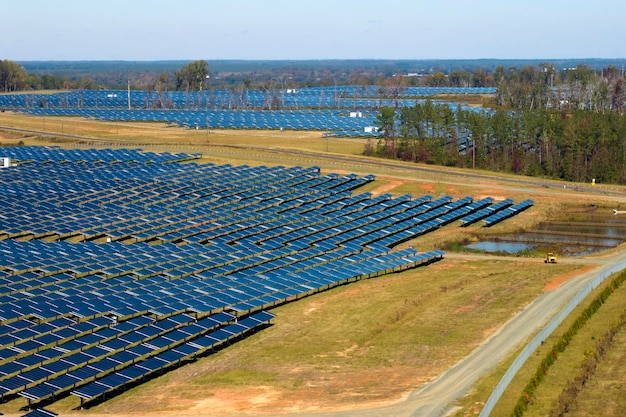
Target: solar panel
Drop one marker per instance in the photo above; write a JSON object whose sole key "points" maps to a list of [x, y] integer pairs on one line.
{"points": [[132, 372], [12, 384], [151, 364], [91, 390], [40, 412]]}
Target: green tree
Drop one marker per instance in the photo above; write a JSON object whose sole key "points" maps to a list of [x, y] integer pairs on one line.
{"points": [[33, 82], [192, 76], [12, 76], [51, 82], [438, 79], [385, 122], [479, 78], [85, 84], [459, 78]]}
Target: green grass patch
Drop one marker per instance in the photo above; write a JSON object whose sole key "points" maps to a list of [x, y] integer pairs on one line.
{"points": [[236, 377], [575, 344], [604, 392], [564, 369]]}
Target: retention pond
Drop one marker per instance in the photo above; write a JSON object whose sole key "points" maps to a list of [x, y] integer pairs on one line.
{"points": [[572, 234]]}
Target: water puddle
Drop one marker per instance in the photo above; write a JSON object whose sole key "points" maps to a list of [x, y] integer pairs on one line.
{"points": [[572, 234]]}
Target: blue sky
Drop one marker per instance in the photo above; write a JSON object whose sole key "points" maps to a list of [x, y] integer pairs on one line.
{"points": [[314, 29]]}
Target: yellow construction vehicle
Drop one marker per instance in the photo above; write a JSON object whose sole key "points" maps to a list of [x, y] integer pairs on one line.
{"points": [[550, 258]]}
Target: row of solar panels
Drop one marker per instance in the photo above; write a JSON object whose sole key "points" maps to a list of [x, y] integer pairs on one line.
{"points": [[211, 283], [510, 211], [89, 353], [188, 349], [117, 166], [222, 119], [47, 198], [189, 224], [318, 120], [278, 226], [57, 154], [175, 226], [320, 97], [497, 212], [40, 275], [115, 206]]}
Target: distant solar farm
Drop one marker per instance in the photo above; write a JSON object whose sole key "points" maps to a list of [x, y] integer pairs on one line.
{"points": [[347, 111], [117, 265]]}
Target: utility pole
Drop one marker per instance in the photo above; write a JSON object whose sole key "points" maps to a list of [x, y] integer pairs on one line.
{"points": [[128, 81]]}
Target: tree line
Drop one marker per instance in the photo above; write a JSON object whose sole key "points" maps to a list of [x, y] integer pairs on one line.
{"points": [[13, 77], [579, 146], [537, 87], [190, 77]]}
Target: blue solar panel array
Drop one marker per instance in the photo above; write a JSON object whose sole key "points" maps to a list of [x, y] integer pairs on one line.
{"points": [[317, 97], [57, 154], [485, 212], [302, 109], [168, 261], [507, 212], [320, 120]]}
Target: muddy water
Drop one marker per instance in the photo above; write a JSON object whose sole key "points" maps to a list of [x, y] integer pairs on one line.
{"points": [[572, 234]]}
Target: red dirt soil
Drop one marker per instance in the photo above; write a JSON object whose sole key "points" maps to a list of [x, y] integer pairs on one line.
{"points": [[560, 279], [384, 188]]}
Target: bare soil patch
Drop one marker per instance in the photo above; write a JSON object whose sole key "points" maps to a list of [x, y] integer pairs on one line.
{"points": [[385, 188], [560, 279], [427, 187]]}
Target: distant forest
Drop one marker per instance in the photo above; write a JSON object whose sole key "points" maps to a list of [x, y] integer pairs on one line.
{"points": [[225, 74]]}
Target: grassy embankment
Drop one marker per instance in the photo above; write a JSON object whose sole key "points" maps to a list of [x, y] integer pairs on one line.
{"points": [[602, 394]]}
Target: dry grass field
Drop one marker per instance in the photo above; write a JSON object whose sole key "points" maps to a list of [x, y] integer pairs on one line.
{"points": [[354, 347]]}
